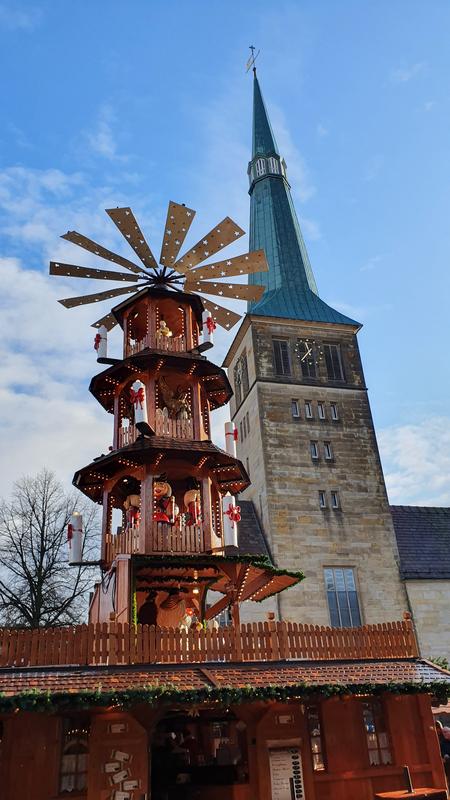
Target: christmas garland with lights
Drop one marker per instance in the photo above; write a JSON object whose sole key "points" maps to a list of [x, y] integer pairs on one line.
{"points": [[49, 702]]}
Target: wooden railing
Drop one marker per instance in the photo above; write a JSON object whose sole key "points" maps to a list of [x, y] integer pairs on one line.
{"points": [[172, 344], [177, 428], [163, 538], [127, 435], [115, 643]]}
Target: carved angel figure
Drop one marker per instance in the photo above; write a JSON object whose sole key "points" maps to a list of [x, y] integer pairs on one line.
{"points": [[176, 402]]}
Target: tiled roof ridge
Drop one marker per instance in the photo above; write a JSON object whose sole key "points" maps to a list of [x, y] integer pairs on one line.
{"points": [[422, 509]]}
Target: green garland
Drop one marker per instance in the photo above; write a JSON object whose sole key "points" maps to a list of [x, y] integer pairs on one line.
{"points": [[263, 562], [35, 700]]}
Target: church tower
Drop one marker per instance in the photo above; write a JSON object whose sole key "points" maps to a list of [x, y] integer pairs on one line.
{"points": [[306, 433]]}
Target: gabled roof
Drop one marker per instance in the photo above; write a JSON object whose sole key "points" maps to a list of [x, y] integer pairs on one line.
{"points": [[423, 539]]}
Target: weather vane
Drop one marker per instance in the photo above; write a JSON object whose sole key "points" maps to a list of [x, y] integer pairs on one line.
{"points": [[252, 59]]}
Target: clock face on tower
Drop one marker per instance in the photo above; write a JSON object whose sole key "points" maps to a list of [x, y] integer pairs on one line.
{"points": [[310, 354]]}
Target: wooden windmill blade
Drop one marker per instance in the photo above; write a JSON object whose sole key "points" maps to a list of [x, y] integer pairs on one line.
{"points": [[223, 316], [109, 321], [82, 300], [74, 271], [247, 264], [237, 291], [99, 250], [179, 220], [219, 237], [127, 225]]}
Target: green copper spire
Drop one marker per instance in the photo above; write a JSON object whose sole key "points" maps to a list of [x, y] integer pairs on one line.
{"points": [[291, 290]]}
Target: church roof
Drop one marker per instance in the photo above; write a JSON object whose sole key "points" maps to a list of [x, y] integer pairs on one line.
{"points": [[423, 539], [291, 290]]}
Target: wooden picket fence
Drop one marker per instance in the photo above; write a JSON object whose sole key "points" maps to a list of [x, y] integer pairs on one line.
{"points": [[176, 428], [162, 538], [172, 344], [115, 643]]}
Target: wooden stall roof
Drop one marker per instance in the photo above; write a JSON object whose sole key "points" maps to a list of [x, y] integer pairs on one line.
{"points": [[253, 578], [232, 681], [164, 294], [214, 379], [229, 472]]}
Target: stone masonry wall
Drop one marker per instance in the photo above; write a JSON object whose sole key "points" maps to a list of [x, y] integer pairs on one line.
{"points": [[430, 605], [286, 481]]}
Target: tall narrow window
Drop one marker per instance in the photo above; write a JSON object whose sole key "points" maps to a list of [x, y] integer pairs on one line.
{"points": [[307, 358], [335, 499], [315, 738], [241, 431], [333, 362], [281, 357], [247, 418], [74, 755], [314, 450], [328, 451], [334, 411], [308, 409], [241, 379], [322, 499], [247, 466], [261, 166], [295, 409], [321, 410], [342, 597], [378, 746]]}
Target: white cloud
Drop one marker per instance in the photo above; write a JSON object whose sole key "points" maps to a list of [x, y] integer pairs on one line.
{"points": [[372, 263], [322, 130], [310, 229], [406, 73], [297, 170], [416, 460], [101, 139], [15, 19]]}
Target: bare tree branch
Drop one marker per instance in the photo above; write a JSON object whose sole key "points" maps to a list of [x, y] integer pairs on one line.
{"points": [[37, 587]]}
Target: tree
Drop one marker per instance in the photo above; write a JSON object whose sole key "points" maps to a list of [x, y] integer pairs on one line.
{"points": [[37, 586]]}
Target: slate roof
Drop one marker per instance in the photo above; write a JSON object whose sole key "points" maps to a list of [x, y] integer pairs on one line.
{"points": [[74, 680], [423, 539], [252, 541]]}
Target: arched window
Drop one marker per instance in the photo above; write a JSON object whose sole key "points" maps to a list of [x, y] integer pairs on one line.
{"points": [[74, 755], [261, 167], [274, 165]]}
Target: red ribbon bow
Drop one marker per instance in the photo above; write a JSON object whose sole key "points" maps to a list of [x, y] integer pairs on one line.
{"points": [[97, 341], [137, 398], [210, 324], [234, 513], [233, 433], [69, 532]]}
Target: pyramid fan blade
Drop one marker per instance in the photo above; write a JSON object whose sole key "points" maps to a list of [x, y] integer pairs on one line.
{"points": [[239, 265], [98, 250], [223, 316], [108, 321], [179, 220], [219, 237], [237, 291], [71, 302], [126, 222], [73, 271]]}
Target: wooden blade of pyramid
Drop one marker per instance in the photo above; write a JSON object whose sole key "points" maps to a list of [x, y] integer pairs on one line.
{"points": [[126, 222], [71, 302], [98, 250], [179, 220], [237, 291], [74, 271], [219, 237], [109, 321], [239, 265], [223, 316]]}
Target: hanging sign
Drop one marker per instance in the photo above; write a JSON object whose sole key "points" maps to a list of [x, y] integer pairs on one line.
{"points": [[286, 773]]}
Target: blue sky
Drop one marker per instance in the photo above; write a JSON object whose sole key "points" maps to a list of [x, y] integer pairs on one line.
{"points": [[107, 104]]}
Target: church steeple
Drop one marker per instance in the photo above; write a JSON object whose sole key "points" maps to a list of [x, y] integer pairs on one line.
{"points": [[291, 290]]}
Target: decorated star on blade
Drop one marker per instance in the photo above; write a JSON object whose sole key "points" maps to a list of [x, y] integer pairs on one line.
{"points": [[172, 272]]}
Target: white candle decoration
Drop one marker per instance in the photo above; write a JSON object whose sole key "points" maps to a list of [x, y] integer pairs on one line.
{"points": [[139, 401], [208, 329], [101, 342], [75, 538], [231, 436], [231, 517]]}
